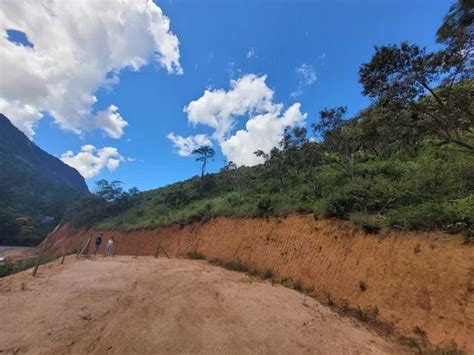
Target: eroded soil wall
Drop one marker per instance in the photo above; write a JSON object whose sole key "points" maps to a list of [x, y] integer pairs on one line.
{"points": [[414, 279]]}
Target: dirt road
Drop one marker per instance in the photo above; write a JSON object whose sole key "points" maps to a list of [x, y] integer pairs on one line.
{"points": [[123, 305]]}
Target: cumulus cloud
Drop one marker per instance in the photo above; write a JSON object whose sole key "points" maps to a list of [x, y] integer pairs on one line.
{"points": [[76, 48], [250, 97], [306, 77], [185, 145], [219, 108], [90, 160], [261, 132]]}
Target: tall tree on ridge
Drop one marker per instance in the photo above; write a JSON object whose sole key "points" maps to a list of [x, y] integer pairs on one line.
{"points": [[203, 153]]}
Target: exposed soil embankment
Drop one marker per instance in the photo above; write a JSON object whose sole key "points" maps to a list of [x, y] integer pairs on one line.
{"points": [[416, 280]]}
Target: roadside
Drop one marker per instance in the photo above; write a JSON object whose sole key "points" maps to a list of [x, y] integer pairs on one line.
{"points": [[146, 305]]}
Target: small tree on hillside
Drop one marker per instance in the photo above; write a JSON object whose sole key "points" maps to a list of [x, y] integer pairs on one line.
{"points": [[203, 153]]}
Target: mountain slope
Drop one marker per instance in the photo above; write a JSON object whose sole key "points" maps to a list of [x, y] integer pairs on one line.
{"points": [[14, 142], [35, 187]]}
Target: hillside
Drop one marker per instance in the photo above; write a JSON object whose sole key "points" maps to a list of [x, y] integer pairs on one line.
{"points": [[404, 162], [430, 190], [35, 187]]}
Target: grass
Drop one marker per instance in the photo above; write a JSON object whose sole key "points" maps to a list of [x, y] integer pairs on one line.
{"points": [[8, 267], [230, 265], [448, 350], [196, 255]]}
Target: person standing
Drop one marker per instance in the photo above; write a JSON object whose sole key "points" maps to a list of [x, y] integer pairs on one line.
{"points": [[98, 242], [110, 247]]}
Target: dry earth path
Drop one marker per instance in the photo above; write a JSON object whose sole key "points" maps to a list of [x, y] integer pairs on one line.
{"points": [[123, 305]]}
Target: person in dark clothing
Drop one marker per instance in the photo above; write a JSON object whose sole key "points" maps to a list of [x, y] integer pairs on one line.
{"points": [[98, 242]]}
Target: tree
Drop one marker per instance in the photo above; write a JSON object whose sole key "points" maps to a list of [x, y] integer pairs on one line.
{"points": [[292, 143], [177, 197], [330, 120], [203, 153], [9, 225], [457, 30], [384, 131], [341, 138], [109, 191], [407, 77]]}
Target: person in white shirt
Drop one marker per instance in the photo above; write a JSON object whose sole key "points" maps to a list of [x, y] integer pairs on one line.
{"points": [[110, 247]]}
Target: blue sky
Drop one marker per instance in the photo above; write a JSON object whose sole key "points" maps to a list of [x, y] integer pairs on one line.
{"points": [[224, 40]]}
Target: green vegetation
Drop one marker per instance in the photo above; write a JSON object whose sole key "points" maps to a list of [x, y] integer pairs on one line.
{"points": [[405, 162], [35, 188], [450, 350], [430, 190], [196, 255], [8, 267], [230, 265], [35, 202]]}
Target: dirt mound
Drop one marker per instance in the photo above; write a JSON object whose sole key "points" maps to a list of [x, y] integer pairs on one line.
{"points": [[124, 305], [420, 283]]}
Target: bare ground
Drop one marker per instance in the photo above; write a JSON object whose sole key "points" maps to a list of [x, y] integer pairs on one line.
{"points": [[123, 305]]}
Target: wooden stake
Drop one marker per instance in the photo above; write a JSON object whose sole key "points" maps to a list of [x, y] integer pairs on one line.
{"points": [[65, 250], [138, 247], [164, 251], [157, 250], [64, 255], [38, 261], [86, 246]]}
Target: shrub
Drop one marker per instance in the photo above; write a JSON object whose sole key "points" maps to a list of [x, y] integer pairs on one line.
{"points": [[196, 255], [230, 265], [369, 224], [449, 350], [454, 217], [264, 206], [8, 267]]}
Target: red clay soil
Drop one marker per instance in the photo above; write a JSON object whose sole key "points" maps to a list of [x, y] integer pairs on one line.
{"points": [[123, 305], [419, 282]]}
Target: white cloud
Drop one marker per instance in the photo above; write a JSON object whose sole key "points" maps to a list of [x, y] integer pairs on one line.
{"points": [[261, 132], [185, 145], [251, 53], [306, 77], [250, 97], [218, 108], [111, 122], [90, 160], [78, 47], [26, 115]]}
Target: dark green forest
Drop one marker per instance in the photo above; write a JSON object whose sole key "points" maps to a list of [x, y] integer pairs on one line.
{"points": [[405, 162], [35, 188], [32, 204]]}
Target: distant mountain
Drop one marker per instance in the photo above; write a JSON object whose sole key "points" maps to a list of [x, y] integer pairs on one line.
{"points": [[35, 187], [15, 143]]}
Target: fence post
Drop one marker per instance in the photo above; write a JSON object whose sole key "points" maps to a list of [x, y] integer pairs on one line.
{"points": [[138, 247], [64, 255], [38, 261], [164, 251], [86, 246], [157, 250]]}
